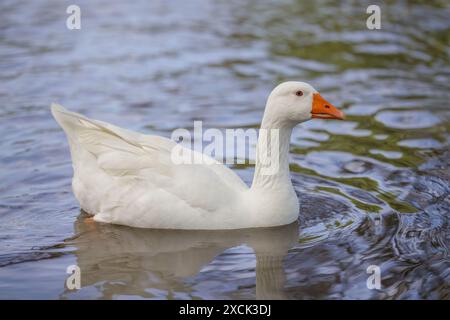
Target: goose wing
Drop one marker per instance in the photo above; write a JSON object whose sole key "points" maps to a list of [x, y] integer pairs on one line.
{"points": [[144, 162]]}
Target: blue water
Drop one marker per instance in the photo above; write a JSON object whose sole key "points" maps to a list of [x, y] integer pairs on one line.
{"points": [[373, 190]]}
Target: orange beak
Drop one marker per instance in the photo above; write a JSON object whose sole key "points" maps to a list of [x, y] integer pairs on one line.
{"points": [[322, 109]]}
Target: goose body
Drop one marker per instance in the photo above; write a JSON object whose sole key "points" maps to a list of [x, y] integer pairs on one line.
{"points": [[124, 177]]}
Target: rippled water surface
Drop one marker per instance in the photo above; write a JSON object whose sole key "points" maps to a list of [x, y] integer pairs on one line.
{"points": [[374, 190]]}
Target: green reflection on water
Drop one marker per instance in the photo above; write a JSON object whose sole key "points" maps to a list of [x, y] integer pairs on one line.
{"points": [[400, 64], [359, 204], [357, 182], [363, 183]]}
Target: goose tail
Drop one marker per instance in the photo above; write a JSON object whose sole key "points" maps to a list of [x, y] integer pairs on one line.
{"points": [[69, 121]]}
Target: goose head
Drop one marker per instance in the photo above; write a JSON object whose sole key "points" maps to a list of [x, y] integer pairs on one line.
{"points": [[293, 102]]}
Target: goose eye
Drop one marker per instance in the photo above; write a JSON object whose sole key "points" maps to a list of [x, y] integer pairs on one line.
{"points": [[299, 93]]}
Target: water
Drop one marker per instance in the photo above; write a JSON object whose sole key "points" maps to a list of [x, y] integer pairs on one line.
{"points": [[374, 190]]}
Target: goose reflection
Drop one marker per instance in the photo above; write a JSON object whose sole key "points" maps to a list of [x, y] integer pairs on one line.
{"points": [[122, 261]]}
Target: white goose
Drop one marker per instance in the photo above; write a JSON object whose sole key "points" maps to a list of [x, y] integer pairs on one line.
{"points": [[128, 178]]}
